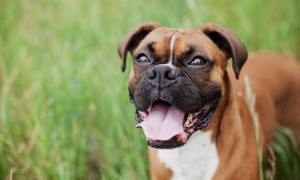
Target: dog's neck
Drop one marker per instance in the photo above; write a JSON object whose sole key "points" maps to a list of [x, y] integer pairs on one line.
{"points": [[232, 134], [216, 120], [225, 128]]}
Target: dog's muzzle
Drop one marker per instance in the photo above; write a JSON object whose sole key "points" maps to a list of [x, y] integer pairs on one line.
{"points": [[170, 107]]}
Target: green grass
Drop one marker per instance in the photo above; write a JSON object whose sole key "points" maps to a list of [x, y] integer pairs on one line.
{"points": [[64, 110], [282, 158]]}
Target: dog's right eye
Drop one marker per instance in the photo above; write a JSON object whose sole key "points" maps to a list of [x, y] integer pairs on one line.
{"points": [[142, 59]]}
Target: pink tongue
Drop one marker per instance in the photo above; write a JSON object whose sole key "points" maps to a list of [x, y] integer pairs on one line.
{"points": [[163, 122]]}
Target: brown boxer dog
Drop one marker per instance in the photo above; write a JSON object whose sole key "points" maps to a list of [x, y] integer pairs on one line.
{"points": [[192, 108]]}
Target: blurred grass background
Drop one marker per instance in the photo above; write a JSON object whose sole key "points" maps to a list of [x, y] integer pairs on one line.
{"points": [[64, 110]]}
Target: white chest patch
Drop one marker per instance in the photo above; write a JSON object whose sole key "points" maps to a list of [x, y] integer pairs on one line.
{"points": [[196, 160]]}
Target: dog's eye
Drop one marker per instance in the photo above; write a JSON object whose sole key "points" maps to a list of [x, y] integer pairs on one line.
{"points": [[142, 59], [198, 61]]}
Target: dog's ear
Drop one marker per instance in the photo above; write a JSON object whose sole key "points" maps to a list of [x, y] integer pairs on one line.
{"points": [[229, 44], [132, 39]]}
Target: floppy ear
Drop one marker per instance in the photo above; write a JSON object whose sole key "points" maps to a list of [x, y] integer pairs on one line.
{"points": [[132, 40], [229, 44]]}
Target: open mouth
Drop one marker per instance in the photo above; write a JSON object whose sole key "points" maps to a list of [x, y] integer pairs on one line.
{"points": [[166, 126]]}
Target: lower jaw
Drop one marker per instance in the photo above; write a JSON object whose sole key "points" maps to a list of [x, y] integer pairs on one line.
{"points": [[168, 144]]}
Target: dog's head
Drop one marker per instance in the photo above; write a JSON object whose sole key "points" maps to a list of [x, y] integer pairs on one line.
{"points": [[176, 81]]}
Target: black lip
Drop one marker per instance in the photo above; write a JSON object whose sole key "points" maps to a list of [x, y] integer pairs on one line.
{"points": [[138, 118], [205, 119], [169, 144], [164, 99]]}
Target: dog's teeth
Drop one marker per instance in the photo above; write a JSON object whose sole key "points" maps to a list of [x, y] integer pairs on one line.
{"points": [[143, 114], [196, 114], [182, 137], [149, 109], [138, 126], [186, 123], [190, 117], [188, 120], [191, 130]]}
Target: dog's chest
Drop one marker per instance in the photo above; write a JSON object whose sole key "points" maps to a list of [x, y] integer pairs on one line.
{"points": [[198, 159]]}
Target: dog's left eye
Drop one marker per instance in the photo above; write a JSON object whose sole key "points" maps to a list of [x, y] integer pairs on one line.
{"points": [[198, 61], [142, 59]]}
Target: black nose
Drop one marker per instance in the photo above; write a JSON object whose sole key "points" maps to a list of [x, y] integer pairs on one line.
{"points": [[163, 76]]}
